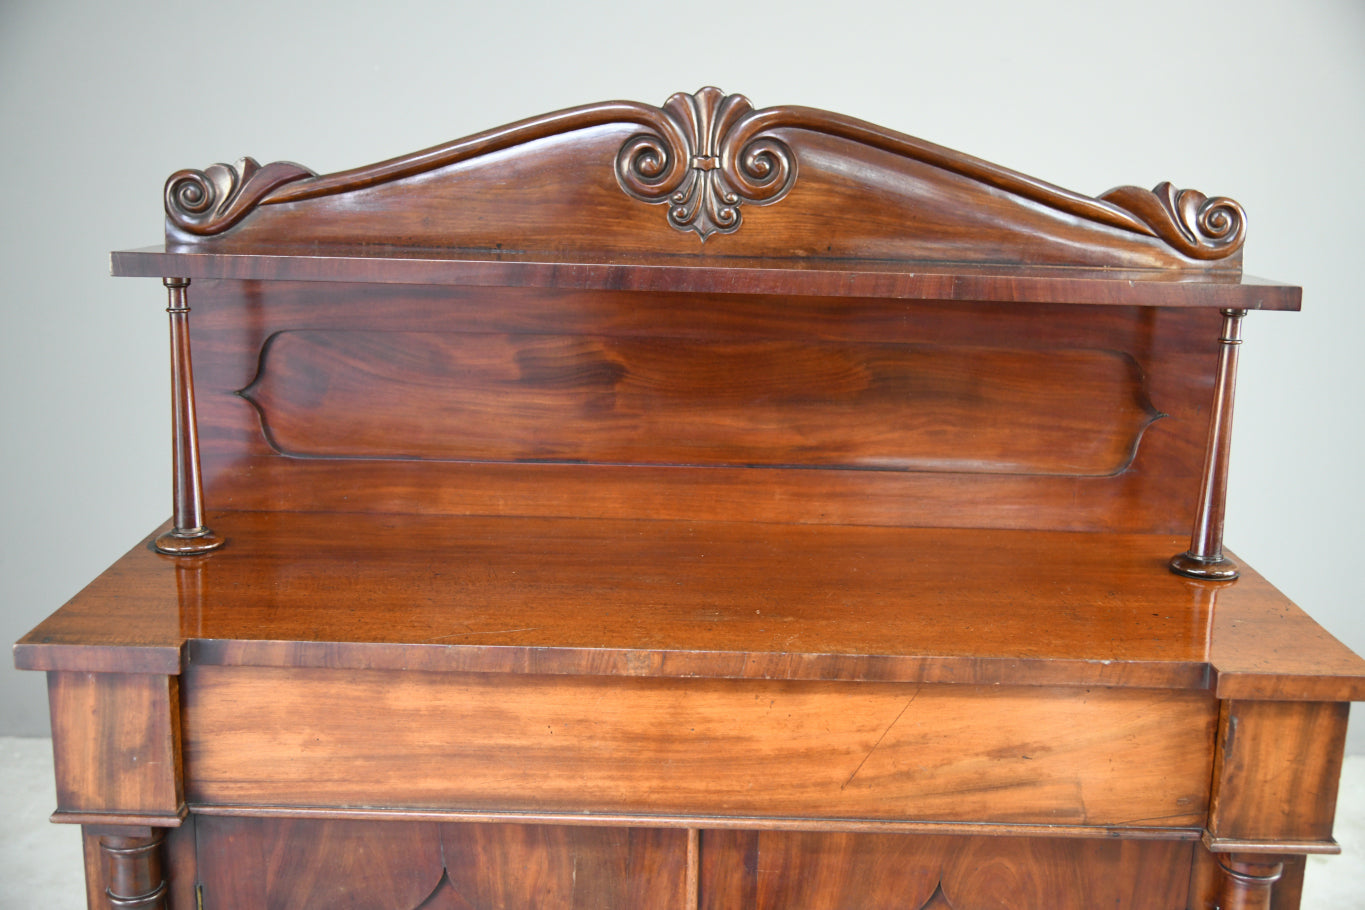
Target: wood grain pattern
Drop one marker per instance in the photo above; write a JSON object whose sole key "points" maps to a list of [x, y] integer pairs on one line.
{"points": [[188, 534], [846, 188], [668, 274], [695, 506], [769, 870], [722, 599], [132, 870], [1047, 873], [1277, 769], [1288, 893], [1204, 559], [1173, 352], [494, 866], [289, 864], [115, 740], [94, 867], [554, 867], [425, 396], [1244, 646], [260, 736], [182, 869], [1248, 883], [286, 864]]}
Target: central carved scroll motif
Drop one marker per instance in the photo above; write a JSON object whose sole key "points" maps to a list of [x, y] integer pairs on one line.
{"points": [[729, 164]]}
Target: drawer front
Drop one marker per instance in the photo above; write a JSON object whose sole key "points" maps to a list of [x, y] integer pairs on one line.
{"points": [[258, 736]]}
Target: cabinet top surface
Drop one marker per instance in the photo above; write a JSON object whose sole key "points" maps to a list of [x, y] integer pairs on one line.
{"points": [[695, 599]]}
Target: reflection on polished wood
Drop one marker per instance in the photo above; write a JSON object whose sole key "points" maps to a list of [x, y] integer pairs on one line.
{"points": [[695, 506], [784, 869], [729, 599], [535, 402], [1003, 755], [188, 534], [1205, 559]]}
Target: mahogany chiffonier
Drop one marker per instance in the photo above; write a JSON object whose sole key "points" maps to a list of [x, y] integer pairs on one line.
{"points": [[695, 506]]}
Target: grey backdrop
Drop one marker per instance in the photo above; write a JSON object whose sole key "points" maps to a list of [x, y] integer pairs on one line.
{"points": [[1263, 101]]}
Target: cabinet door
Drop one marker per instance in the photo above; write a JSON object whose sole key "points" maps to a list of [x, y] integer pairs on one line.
{"points": [[274, 864], [789, 870]]}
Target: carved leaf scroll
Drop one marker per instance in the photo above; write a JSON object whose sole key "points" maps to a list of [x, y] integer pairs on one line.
{"points": [[214, 199], [734, 159], [704, 156], [727, 165], [1199, 227]]}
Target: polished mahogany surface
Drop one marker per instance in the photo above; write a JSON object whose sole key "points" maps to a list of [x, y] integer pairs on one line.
{"points": [[681, 272], [425, 399], [632, 178], [452, 866], [695, 506], [682, 599]]}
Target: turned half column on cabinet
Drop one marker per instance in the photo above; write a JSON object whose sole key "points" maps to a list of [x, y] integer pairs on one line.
{"points": [[132, 869]]}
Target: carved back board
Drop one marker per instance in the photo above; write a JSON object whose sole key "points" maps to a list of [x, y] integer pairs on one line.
{"points": [[703, 311]]}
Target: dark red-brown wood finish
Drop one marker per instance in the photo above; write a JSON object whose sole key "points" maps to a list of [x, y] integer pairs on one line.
{"points": [[847, 189], [695, 506], [188, 534]]}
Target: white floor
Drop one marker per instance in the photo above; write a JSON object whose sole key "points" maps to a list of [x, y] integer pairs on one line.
{"points": [[40, 863]]}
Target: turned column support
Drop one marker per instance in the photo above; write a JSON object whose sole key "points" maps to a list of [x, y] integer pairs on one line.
{"points": [[189, 534], [1247, 882], [1204, 559], [133, 878]]}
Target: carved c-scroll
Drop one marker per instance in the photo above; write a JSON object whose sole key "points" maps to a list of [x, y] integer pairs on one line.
{"points": [[732, 163], [704, 155], [1199, 227], [214, 199], [727, 164]]}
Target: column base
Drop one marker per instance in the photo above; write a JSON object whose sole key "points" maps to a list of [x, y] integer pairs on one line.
{"points": [[188, 543], [1207, 568]]}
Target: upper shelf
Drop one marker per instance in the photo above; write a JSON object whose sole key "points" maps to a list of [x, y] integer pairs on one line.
{"points": [[707, 194], [671, 273]]}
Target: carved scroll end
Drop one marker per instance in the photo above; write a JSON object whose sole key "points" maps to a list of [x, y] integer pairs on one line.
{"points": [[214, 199], [712, 161], [1196, 225]]}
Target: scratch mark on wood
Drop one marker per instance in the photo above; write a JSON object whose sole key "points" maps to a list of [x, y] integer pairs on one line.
{"points": [[1188, 817], [882, 737], [487, 632]]}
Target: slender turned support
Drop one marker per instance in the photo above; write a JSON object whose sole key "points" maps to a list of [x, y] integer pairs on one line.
{"points": [[1247, 882], [189, 534], [1205, 559], [132, 872]]}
